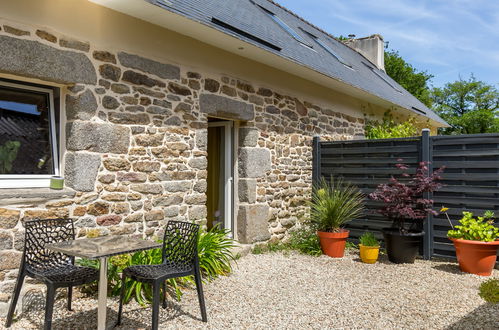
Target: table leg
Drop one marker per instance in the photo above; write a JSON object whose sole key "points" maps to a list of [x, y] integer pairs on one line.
{"points": [[102, 304]]}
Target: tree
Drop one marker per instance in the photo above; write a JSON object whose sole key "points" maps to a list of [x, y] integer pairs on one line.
{"points": [[414, 81], [469, 106]]}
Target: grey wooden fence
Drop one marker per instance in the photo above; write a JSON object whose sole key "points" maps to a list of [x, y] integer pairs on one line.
{"points": [[471, 177]]}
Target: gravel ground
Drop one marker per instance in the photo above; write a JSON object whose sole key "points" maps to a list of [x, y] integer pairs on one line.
{"points": [[294, 291]]}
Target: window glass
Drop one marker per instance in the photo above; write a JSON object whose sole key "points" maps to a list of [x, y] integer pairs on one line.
{"points": [[26, 143]]}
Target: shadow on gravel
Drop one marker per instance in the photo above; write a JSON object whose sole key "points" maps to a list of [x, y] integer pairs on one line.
{"points": [[449, 268], [484, 317], [172, 312]]}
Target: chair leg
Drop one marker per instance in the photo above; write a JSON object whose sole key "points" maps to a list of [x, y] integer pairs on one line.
{"points": [[15, 297], [164, 295], [155, 304], [199, 288], [49, 307], [122, 297], [70, 296]]}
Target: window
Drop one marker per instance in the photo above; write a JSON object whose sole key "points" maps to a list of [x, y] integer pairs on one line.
{"points": [[382, 76], [28, 135], [285, 27], [328, 49]]}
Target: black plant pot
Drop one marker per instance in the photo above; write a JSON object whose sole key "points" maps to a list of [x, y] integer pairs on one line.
{"points": [[402, 248]]}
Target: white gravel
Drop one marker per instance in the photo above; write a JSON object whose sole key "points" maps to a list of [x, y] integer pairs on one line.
{"points": [[292, 291]]}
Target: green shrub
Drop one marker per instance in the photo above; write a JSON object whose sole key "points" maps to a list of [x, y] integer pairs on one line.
{"points": [[387, 128], [306, 241], [476, 229], [334, 204], [489, 290], [368, 239], [215, 257]]}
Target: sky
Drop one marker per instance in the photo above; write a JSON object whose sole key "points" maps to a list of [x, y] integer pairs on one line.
{"points": [[447, 38]]}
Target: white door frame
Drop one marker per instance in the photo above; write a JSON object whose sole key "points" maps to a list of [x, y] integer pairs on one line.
{"points": [[228, 173]]}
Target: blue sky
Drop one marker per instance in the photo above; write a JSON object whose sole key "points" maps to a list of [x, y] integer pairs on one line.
{"points": [[448, 38]]}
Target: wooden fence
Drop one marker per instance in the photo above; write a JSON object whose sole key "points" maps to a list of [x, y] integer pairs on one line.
{"points": [[471, 177]]}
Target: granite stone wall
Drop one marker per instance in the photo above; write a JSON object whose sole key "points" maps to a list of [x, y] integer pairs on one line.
{"points": [[135, 141]]}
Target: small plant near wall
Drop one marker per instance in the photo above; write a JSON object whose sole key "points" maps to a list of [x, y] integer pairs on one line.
{"points": [[334, 204], [388, 128], [476, 241], [369, 248], [489, 291], [476, 229]]}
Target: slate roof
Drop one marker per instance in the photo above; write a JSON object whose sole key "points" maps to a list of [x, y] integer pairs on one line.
{"points": [[246, 20]]}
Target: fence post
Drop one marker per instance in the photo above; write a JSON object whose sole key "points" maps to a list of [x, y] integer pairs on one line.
{"points": [[428, 228], [316, 160]]}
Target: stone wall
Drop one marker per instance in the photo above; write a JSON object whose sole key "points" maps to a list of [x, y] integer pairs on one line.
{"points": [[136, 143]]}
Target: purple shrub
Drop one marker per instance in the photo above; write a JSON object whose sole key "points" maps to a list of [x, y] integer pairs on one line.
{"points": [[404, 200]]}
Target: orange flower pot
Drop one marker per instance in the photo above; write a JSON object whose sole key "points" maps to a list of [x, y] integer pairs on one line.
{"points": [[333, 244], [476, 257]]}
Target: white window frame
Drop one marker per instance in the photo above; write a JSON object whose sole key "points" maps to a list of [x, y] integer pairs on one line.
{"points": [[35, 180], [229, 173]]}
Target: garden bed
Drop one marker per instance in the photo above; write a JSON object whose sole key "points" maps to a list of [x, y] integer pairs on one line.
{"points": [[288, 290]]}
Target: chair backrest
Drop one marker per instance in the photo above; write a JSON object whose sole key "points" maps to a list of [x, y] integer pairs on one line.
{"points": [[42, 232], [180, 243]]}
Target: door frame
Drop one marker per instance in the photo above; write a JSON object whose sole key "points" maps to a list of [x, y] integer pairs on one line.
{"points": [[229, 151]]}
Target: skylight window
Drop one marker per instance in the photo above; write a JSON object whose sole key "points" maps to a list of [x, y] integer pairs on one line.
{"points": [[385, 79], [284, 26], [327, 48]]}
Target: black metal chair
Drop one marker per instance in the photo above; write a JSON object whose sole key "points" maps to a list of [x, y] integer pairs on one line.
{"points": [[54, 269], [180, 258]]}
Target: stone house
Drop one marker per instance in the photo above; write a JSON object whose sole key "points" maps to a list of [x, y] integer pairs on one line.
{"points": [[166, 109]]}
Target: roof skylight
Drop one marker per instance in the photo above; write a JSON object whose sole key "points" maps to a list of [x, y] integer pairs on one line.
{"points": [[284, 26], [327, 48], [385, 79]]}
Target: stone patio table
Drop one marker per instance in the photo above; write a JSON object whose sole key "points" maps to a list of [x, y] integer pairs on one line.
{"points": [[102, 248]]}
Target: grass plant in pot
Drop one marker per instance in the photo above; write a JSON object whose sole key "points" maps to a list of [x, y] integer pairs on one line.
{"points": [[369, 248], [476, 241], [404, 205], [334, 204]]}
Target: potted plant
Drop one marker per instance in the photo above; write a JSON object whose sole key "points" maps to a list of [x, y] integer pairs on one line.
{"points": [[332, 206], [476, 241], [405, 206], [369, 248]]}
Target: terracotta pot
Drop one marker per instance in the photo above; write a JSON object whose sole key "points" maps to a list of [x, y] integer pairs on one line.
{"points": [[369, 254], [333, 244], [476, 257]]}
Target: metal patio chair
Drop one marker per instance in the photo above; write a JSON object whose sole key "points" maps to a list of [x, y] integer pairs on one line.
{"points": [[179, 258], [55, 269]]}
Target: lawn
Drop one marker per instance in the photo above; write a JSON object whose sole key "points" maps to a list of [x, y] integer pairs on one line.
{"points": [[289, 290]]}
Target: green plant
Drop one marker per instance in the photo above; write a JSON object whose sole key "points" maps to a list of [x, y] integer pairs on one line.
{"points": [[215, 252], [489, 291], [475, 229], [388, 128], [305, 241], [334, 204], [215, 257], [270, 247], [8, 154], [368, 239], [350, 245]]}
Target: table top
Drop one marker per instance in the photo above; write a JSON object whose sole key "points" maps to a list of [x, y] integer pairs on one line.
{"points": [[102, 247]]}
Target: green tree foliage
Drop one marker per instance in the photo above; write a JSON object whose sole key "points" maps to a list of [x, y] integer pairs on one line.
{"points": [[469, 106], [388, 128], [413, 80], [8, 154]]}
